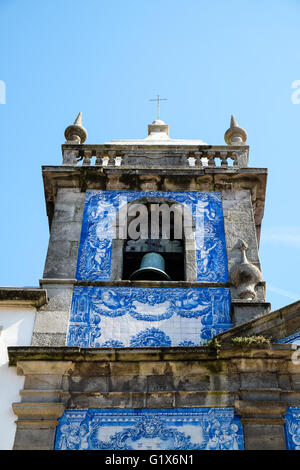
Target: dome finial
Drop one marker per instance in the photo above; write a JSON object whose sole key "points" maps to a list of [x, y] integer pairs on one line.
{"points": [[235, 135], [76, 133]]}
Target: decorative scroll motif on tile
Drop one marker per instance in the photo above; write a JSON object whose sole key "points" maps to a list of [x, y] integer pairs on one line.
{"points": [[101, 209], [154, 429], [145, 317], [292, 339], [292, 428]]}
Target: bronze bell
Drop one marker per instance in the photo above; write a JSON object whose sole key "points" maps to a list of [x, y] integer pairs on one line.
{"points": [[152, 268]]}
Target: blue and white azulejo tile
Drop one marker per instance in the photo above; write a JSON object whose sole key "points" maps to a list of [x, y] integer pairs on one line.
{"points": [[147, 429], [147, 316], [292, 428], [292, 339], [100, 217]]}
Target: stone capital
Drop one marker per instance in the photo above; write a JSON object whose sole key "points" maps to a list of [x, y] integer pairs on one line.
{"points": [[44, 367], [261, 410], [38, 411]]}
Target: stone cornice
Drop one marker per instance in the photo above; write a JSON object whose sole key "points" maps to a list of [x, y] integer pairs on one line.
{"points": [[22, 296], [201, 353], [166, 179], [169, 145]]}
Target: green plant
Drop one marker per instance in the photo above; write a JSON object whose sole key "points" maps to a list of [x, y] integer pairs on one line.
{"points": [[215, 344], [250, 340]]}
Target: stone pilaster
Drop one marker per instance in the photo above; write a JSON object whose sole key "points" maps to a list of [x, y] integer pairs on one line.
{"points": [[243, 311], [42, 404], [263, 424], [36, 425], [51, 320]]}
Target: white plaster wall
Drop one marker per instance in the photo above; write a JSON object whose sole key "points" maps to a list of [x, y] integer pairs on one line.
{"points": [[16, 325]]}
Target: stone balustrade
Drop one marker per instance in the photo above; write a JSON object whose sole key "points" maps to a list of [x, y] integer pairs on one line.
{"points": [[101, 155]]}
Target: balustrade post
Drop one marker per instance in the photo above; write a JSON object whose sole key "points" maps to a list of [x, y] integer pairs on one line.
{"points": [[223, 157], [87, 157], [198, 156], [211, 157], [99, 156]]}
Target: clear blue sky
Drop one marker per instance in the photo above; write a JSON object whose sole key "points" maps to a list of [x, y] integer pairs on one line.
{"points": [[107, 59]]}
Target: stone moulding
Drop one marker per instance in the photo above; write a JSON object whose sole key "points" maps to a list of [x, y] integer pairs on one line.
{"points": [[36, 410], [179, 179], [201, 353], [22, 296], [253, 382]]}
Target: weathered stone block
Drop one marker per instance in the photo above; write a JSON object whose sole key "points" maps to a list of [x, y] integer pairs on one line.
{"points": [[245, 311], [159, 400], [100, 400], [51, 322], [37, 438], [91, 369], [296, 381], [127, 384], [239, 224], [224, 382], [260, 395], [192, 383], [88, 384], [159, 383], [43, 382], [257, 381], [264, 436], [49, 339]]}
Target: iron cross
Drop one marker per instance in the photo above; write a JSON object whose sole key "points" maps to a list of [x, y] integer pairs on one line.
{"points": [[158, 99]]}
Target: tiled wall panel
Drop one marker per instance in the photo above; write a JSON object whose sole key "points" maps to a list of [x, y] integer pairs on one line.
{"points": [[143, 429], [143, 317]]}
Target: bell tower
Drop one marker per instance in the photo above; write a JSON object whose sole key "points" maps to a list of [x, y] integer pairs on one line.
{"points": [[173, 221], [152, 259]]}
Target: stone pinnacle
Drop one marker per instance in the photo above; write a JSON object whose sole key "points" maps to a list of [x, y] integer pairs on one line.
{"points": [[78, 120], [235, 135], [76, 133], [233, 122]]}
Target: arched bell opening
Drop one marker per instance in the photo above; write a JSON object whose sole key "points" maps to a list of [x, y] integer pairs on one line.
{"points": [[160, 249]]}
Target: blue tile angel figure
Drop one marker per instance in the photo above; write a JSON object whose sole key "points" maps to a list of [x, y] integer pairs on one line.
{"points": [[85, 430], [74, 436], [70, 437], [193, 304], [204, 259], [214, 433], [222, 436], [228, 437], [110, 303]]}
